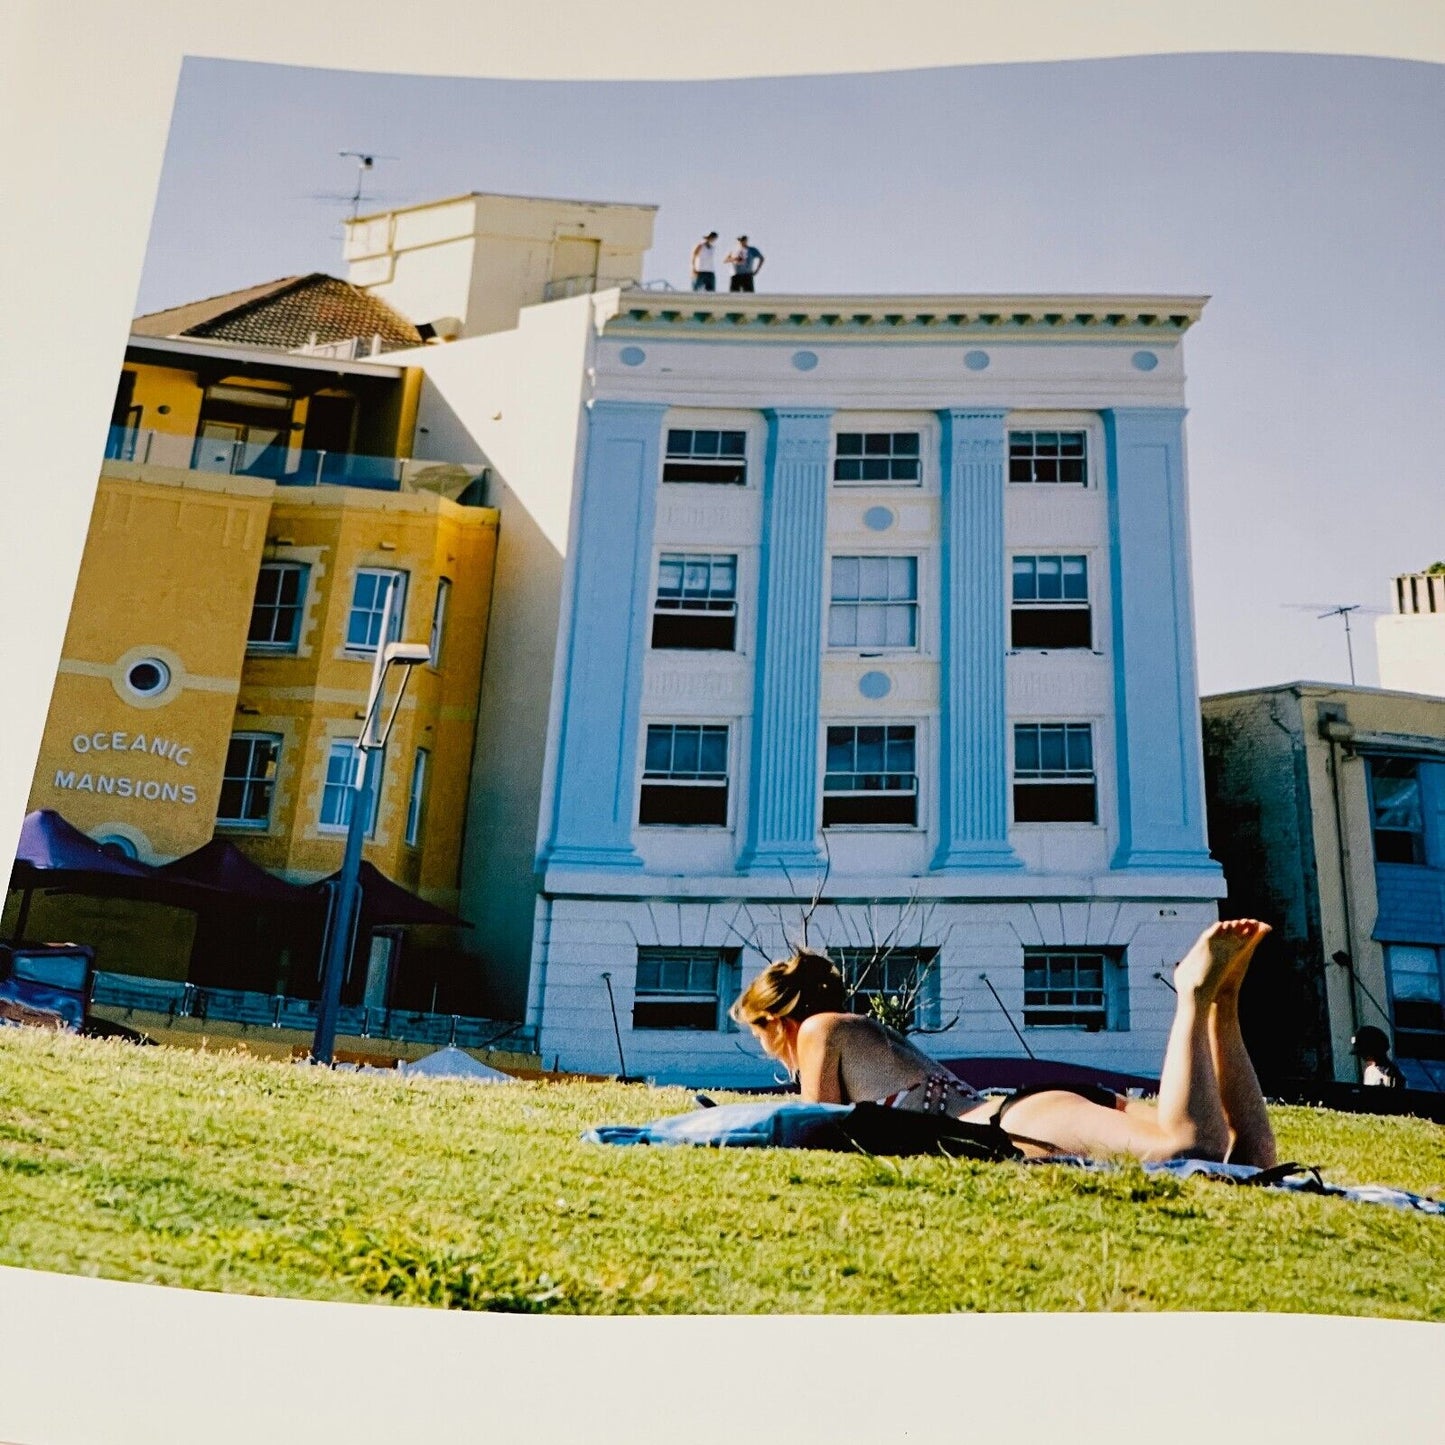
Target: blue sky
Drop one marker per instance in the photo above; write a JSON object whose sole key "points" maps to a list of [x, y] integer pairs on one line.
{"points": [[1305, 194]]}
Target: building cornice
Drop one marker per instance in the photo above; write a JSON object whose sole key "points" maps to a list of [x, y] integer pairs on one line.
{"points": [[992, 315]]}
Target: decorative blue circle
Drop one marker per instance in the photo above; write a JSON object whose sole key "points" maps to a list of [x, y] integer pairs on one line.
{"points": [[875, 685], [1144, 361], [976, 360], [805, 360], [632, 356], [878, 519]]}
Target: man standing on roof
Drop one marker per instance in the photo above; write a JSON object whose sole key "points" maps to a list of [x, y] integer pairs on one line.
{"points": [[704, 266], [746, 262]]}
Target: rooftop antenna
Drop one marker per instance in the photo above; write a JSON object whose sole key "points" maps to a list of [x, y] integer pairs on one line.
{"points": [[365, 161], [1344, 611]]}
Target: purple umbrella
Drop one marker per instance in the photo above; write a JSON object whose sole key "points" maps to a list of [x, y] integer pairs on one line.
{"points": [[55, 853], [383, 901], [222, 866]]}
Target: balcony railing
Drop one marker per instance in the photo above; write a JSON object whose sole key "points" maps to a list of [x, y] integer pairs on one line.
{"points": [[289, 466], [1420, 592], [280, 1011]]}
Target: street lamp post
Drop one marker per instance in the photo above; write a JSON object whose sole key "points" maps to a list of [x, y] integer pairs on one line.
{"points": [[374, 733]]}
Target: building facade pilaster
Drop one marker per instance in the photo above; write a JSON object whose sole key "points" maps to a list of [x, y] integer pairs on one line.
{"points": [[783, 813], [973, 721], [1158, 742], [594, 792]]}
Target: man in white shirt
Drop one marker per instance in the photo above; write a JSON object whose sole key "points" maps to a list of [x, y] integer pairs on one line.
{"points": [[704, 266], [746, 262]]}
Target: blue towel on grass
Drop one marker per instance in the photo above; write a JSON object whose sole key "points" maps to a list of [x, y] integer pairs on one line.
{"points": [[790, 1124]]}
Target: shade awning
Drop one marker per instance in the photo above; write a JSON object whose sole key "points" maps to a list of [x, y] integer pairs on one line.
{"points": [[48, 844], [221, 865], [383, 901]]}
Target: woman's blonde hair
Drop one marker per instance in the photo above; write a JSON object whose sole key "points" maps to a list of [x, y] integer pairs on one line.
{"points": [[796, 987]]}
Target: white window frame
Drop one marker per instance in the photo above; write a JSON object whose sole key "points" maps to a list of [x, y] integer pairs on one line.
{"points": [[251, 780], [857, 964], [916, 792], [724, 963], [416, 797], [861, 457], [888, 601], [439, 619], [703, 605], [1052, 604], [1112, 994], [1034, 427], [1044, 776], [290, 645], [331, 786], [373, 613], [715, 461], [647, 779]]}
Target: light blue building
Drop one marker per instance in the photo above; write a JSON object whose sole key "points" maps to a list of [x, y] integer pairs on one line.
{"points": [[862, 618]]}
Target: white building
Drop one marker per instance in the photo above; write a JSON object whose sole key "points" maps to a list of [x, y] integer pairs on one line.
{"points": [[1411, 640]]}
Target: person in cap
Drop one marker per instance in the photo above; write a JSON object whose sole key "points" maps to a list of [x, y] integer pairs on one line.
{"points": [[746, 262], [1372, 1049], [704, 263]]}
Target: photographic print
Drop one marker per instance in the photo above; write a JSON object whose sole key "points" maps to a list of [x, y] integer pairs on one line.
{"points": [[775, 614]]}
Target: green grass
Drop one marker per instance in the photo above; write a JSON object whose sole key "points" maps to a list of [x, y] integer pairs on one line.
{"points": [[224, 1172]]}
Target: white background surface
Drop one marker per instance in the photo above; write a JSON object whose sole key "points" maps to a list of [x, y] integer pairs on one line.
{"points": [[85, 93]]}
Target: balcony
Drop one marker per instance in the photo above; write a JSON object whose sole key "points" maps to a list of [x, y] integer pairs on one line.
{"points": [[289, 466]]}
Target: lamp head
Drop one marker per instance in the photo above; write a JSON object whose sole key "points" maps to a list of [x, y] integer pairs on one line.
{"points": [[406, 654]]}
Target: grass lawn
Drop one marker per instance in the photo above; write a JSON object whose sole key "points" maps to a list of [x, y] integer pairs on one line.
{"points": [[225, 1172]]}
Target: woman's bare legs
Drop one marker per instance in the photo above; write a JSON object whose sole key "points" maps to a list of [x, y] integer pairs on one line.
{"points": [[1251, 1138], [1190, 1117]]}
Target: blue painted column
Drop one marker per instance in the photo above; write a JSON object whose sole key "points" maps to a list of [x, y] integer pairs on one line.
{"points": [[783, 813], [1159, 752], [593, 796], [973, 751]]}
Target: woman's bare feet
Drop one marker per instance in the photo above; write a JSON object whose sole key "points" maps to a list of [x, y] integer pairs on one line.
{"points": [[1218, 958], [1234, 974]]}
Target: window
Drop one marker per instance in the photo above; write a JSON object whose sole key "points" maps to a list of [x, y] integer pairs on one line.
{"points": [[439, 619], [877, 456], [249, 780], [369, 601], [276, 612], [706, 456], [871, 777], [1050, 603], [899, 985], [415, 797], [696, 603], [683, 988], [685, 775], [1074, 990], [1047, 456], [1417, 992], [1054, 773], [874, 603], [340, 787], [1399, 821]]}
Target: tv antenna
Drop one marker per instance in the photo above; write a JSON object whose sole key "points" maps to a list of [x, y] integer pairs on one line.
{"points": [[1341, 610], [365, 161]]}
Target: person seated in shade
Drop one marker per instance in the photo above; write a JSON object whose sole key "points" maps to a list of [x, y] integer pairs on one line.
{"points": [[1377, 1069], [1209, 1104]]}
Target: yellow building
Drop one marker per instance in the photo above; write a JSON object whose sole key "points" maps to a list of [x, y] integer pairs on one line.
{"points": [[252, 512]]}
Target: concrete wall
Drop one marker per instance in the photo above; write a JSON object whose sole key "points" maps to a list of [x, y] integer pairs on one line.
{"points": [[482, 258], [1411, 651], [513, 401]]}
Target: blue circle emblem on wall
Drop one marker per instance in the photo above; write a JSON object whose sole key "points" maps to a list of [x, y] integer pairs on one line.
{"points": [[1145, 361], [976, 360], [875, 685], [632, 356], [805, 360], [878, 519]]}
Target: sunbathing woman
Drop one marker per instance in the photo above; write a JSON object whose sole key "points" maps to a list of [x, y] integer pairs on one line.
{"points": [[1209, 1105]]}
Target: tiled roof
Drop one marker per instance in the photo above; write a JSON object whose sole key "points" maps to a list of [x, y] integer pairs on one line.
{"points": [[286, 315]]}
